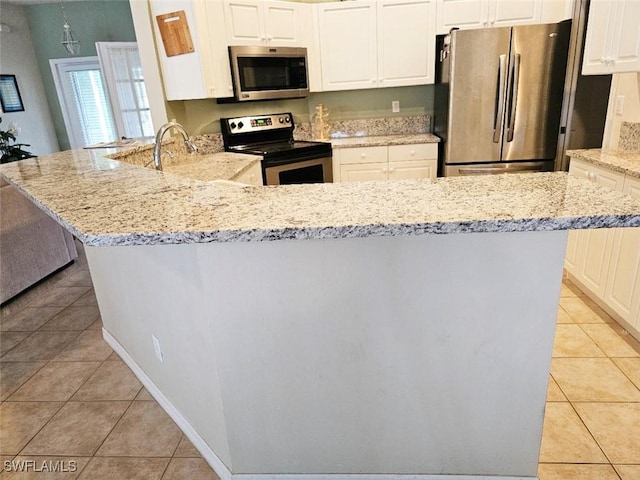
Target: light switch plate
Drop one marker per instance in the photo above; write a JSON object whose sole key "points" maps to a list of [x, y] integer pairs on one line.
{"points": [[395, 106]]}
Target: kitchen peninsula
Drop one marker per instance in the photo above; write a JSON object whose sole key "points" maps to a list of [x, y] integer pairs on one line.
{"points": [[359, 330]]}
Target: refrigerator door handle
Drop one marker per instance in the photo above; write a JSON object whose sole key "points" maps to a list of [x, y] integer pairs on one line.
{"points": [[498, 118], [513, 97]]}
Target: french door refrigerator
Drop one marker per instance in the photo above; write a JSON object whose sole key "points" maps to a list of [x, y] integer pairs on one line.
{"points": [[498, 98]]}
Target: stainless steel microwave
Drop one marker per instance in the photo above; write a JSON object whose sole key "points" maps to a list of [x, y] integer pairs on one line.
{"points": [[263, 73]]}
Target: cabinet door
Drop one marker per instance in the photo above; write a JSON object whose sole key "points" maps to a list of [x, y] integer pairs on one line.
{"points": [[282, 22], [625, 44], [406, 42], [182, 74], [503, 13], [593, 269], [572, 255], [623, 279], [244, 19], [461, 14], [612, 43], [348, 44], [412, 169], [363, 172]]}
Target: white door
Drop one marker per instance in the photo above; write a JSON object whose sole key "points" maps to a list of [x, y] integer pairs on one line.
{"points": [[244, 21], [348, 44], [406, 42], [83, 100], [282, 24], [411, 169], [625, 43], [461, 14], [597, 250], [503, 13], [623, 280], [363, 172], [122, 72]]}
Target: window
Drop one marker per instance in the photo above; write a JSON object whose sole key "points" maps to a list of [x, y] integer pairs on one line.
{"points": [[83, 99], [103, 98], [120, 62]]}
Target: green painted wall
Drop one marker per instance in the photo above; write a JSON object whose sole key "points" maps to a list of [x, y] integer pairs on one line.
{"points": [[202, 116], [92, 21]]}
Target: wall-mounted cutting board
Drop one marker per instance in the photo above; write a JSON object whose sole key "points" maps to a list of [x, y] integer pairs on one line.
{"points": [[175, 33]]}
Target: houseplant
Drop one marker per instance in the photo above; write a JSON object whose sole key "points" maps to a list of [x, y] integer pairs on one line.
{"points": [[12, 151]]}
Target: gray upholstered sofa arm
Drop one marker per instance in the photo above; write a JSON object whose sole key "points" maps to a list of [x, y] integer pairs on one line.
{"points": [[32, 245]]}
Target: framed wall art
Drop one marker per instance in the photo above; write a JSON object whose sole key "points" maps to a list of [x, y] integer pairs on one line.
{"points": [[10, 94]]}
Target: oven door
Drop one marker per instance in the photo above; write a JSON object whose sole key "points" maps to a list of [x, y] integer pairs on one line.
{"points": [[316, 170]]}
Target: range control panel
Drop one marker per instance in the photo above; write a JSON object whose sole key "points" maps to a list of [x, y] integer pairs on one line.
{"points": [[258, 124]]}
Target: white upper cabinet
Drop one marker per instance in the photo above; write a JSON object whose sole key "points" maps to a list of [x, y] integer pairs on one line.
{"points": [[406, 33], [202, 72], [392, 45], [258, 22], [498, 13], [348, 50], [613, 37]]}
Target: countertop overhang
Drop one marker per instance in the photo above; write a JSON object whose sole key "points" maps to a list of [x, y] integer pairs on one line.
{"points": [[106, 202]]}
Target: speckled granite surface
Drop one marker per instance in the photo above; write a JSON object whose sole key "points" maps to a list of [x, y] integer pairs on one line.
{"points": [[377, 140], [107, 202], [369, 127], [215, 166], [629, 136], [624, 162]]}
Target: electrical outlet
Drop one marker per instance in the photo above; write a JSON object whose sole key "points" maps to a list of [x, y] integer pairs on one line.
{"points": [[619, 106], [157, 348], [395, 106]]}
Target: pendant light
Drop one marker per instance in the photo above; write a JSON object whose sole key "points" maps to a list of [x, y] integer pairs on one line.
{"points": [[69, 40]]}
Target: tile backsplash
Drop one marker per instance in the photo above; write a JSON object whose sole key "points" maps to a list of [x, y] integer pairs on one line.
{"points": [[629, 137]]}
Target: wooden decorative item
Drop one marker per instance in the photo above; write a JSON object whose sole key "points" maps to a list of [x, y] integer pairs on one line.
{"points": [[175, 33]]}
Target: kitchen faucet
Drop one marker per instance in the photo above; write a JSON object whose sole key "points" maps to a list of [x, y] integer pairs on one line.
{"points": [[188, 143]]}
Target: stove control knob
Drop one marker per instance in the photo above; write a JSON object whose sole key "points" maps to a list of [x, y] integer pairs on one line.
{"points": [[281, 119], [287, 119], [232, 125], [240, 124]]}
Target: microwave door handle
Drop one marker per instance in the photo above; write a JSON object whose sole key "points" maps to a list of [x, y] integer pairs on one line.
{"points": [[499, 103], [513, 98]]}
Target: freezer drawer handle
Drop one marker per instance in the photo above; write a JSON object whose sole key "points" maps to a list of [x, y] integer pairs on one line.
{"points": [[497, 170], [513, 96], [498, 119]]}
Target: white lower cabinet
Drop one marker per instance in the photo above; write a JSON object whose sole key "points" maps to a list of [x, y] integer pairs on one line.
{"points": [[606, 262], [622, 292], [394, 162]]}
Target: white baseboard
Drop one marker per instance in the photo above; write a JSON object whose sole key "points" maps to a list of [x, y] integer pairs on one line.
{"points": [[223, 472], [209, 455]]}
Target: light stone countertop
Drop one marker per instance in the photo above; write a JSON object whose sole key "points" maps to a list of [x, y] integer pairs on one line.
{"points": [[380, 140], [618, 161], [105, 202], [215, 166]]}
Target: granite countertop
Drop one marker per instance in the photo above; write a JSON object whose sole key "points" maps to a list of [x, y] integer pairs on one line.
{"points": [[378, 140], [215, 166], [106, 202], [618, 161]]}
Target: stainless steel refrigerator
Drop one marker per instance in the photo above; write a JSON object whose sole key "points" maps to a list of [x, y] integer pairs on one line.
{"points": [[498, 98]]}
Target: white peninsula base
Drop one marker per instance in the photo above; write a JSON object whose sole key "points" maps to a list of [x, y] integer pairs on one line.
{"points": [[409, 357]]}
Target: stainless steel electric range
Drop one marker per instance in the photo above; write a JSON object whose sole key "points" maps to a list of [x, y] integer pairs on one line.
{"points": [[284, 160]]}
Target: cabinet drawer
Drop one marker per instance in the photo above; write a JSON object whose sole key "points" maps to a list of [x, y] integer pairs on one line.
{"points": [[413, 152], [362, 155]]}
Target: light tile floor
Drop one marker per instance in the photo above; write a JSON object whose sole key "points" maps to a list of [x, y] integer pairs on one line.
{"points": [[65, 396]]}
